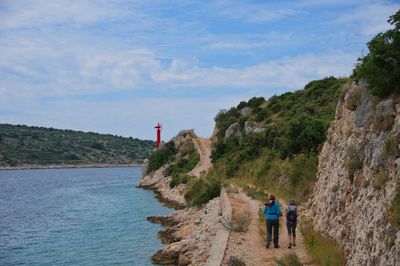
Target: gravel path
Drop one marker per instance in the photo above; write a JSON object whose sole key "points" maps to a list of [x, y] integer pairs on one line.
{"points": [[249, 246], [203, 146]]}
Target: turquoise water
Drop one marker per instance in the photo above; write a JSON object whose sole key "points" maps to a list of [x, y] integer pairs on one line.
{"points": [[90, 216]]}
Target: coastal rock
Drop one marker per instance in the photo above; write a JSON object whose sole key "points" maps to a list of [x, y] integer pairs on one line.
{"points": [[168, 255], [145, 167], [166, 221], [183, 260]]}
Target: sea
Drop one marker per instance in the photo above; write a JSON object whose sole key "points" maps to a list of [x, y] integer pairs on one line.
{"points": [[87, 216]]}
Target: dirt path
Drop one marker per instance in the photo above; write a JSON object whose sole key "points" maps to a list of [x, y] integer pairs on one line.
{"points": [[249, 246], [203, 146]]}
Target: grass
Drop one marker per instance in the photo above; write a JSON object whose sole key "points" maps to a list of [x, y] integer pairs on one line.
{"points": [[380, 179], [390, 147], [289, 260], [254, 193], [352, 162], [394, 210], [323, 251]]}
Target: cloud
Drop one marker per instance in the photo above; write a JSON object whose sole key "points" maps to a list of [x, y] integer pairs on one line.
{"points": [[142, 69], [255, 13], [247, 41], [28, 14], [288, 72], [369, 19]]}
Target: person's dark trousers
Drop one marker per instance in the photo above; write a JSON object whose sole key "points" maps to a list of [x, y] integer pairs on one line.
{"points": [[273, 226]]}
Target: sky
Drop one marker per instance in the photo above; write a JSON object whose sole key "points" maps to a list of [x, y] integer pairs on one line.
{"points": [[121, 66]]}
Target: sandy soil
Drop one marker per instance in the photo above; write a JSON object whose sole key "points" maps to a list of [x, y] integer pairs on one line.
{"points": [[203, 146]]}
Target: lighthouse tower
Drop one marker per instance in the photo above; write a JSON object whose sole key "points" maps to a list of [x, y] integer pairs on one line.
{"points": [[158, 127]]}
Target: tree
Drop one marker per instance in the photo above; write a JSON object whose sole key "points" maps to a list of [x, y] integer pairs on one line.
{"points": [[381, 67]]}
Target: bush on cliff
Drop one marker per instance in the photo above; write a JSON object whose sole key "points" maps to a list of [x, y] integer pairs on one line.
{"points": [[201, 190], [381, 66], [161, 156], [394, 210]]}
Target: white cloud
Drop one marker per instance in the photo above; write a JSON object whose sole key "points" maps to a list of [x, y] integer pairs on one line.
{"points": [[28, 14], [247, 41], [255, 13], [369, 19], [288, 72]]}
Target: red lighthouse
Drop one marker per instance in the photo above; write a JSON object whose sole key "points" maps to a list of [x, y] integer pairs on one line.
{"points": [[158, 134]]}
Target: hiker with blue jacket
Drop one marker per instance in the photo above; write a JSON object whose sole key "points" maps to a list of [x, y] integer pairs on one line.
{"points": [[291, 222], [272, 213]]}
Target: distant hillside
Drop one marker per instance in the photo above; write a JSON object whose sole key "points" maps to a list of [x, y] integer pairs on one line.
{"points": [[23, 145]]}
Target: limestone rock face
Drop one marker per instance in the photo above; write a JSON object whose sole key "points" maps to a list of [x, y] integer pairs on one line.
{"points": [[251, 126], [245, 111], [234, 130], [347, 203]]}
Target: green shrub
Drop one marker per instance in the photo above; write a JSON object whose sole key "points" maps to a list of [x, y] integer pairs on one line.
{"points": [[365, 183], [352, 162], [380, 179], [254, 193], [184, 164], [256, 102], [178, 179], [201, 190], [161, 156], [390, 147], [394, 210], [234, 261], [289, 260]]}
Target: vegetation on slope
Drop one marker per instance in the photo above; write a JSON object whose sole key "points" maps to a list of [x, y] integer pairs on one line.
{"points": [[44, 146], [381, 66], [181, 158], [284, 156]]}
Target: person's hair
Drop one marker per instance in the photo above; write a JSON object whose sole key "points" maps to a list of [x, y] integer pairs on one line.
{"points": [[272, 197], [292, 202]]}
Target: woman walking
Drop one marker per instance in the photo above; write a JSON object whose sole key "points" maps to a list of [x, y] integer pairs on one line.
{"points": [[291, 222], [272, 213]]}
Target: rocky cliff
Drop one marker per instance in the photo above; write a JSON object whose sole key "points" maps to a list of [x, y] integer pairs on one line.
{"points": [[358, 178]]}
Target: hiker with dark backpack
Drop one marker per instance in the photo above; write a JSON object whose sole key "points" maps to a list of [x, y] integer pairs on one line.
{"points": [[272, 213], [291, 222]]}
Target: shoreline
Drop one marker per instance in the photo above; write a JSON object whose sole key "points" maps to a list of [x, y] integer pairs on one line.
{"points": [[66, 166]]}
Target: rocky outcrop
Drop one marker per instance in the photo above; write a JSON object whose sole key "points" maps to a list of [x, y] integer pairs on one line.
{"points": [[191, 235], [358, 173], [252, 127], [234, 130], [194, 236], [156, 181]]}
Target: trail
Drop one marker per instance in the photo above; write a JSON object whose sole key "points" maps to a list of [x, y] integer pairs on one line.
{"points": [[203, 146], [249, 246]]}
